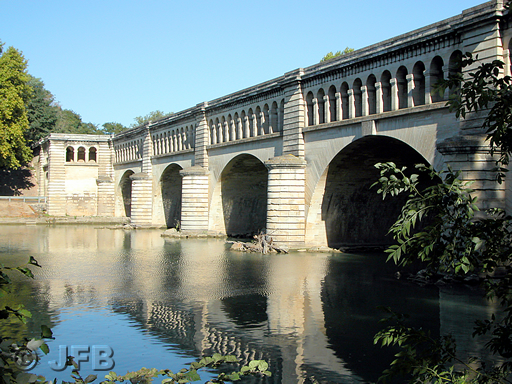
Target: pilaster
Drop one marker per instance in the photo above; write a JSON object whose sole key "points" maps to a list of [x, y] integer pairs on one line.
{"points": [[202, 137], [56, 179], [364, 101], [428, 96], [327, 109], [394, 94], [194, 198], [142, 186], [339, 113], [351, 104], [286, 220], [410, 86], [379, 98], [293, 140]]}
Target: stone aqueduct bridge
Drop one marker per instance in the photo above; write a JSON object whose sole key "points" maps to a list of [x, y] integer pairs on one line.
{"points": [[295, 154]]}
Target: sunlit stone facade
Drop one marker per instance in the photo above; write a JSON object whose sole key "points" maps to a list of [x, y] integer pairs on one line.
{"points": [[297, 152]]}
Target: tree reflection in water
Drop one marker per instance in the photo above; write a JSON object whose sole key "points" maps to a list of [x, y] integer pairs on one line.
{"points": [[163, 303]]}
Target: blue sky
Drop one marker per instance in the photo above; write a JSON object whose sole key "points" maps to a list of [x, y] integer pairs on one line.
{"points": [[113, 60]]}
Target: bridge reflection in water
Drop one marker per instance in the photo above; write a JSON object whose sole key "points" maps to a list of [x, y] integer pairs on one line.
{"points": [[309, 315]]}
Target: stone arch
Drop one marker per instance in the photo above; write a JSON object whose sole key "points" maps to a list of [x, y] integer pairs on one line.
{"points": [[418, 93], [218, 131], [358, 99], [332, 103], [238, 127], [125, 189], [252, 128], [401, 83], [309, 108], [81, 154], [245, 124], [267, 127], [92, 154], [454, 67], [281, 115], [436, 75], [274, 123], [213, 134], [70, 154], [222, 130], [243, 184], [321, 106], [230, 128], [344, 100], [385, 81], [259, 122], [171, 187], [371, 93], [353, 213]]}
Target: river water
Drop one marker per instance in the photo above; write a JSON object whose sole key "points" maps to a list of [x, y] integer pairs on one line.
{"points": [[164, 303]]}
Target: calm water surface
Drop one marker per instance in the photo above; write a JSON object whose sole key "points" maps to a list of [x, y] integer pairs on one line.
{"points": [[163, 303]]}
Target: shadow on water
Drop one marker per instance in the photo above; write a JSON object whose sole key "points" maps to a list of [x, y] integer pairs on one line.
{"points": [[353, 289]]}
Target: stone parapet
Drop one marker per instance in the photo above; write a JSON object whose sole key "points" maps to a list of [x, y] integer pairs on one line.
{"points": [[286, 220]]}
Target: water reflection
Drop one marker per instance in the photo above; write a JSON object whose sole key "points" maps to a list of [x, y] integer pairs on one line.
{"points": [[161, 303]]}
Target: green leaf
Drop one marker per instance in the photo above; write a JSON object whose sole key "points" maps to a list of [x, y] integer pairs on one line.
{"points": [[90, 378], [46, 332], [45, 349]]}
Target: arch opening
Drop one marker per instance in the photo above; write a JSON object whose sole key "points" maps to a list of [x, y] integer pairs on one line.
{"points": [[171, 187], [125, 185], [355, 215], [244, 196]]}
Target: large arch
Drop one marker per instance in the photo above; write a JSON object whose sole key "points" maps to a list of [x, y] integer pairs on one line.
{"points": [[243, 184], [352, 212], [125, 187], [170, 186]]}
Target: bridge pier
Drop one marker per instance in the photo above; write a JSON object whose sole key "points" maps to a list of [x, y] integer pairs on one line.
{"points": [[194, 198], [142, 202], [286, 206]]}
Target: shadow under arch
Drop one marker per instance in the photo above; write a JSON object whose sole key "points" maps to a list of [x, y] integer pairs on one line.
{"points": [[244, 196], [353, 213], [125, 185], [170, 184]]}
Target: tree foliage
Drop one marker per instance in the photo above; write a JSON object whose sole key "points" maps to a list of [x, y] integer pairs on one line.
{"points": [[330, 55], [15, 92], [452, 240], [41, 111], [69, 121], [151, 116], [113, 128]]}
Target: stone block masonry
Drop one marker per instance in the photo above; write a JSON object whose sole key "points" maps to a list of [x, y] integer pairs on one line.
{"points": [[286, 220]]}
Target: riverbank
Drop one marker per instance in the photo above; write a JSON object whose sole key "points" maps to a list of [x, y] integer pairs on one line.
{"points": [[64, 220]]}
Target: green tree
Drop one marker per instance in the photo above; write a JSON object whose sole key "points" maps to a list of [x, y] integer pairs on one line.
{"points": [[41, 112], [113, 128], [331, 55], [15, 93], [69, 121], [451, 240], [151, 116]]}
